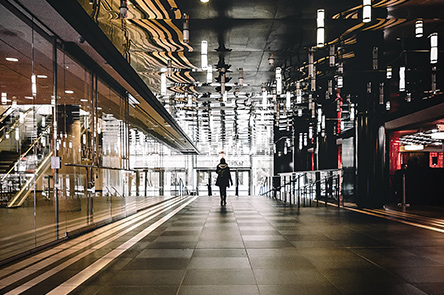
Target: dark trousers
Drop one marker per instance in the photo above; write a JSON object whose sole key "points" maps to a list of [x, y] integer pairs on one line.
{"points": [[223, 193]]}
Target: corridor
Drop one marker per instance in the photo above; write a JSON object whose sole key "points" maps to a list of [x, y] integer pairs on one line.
{"points": [[254, 245]]}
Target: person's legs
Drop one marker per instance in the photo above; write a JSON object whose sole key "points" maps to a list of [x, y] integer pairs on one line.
{"points": [[221, 190]]}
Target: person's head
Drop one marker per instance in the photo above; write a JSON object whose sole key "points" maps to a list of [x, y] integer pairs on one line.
{"points": [[222, 161], [404, 166]]}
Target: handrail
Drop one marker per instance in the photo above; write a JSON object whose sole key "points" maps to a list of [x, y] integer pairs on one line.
{"points": [[25, 153], [14, 124], [5, 114]]}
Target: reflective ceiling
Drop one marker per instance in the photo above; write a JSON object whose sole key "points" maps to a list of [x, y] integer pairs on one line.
{"points": [[256, 36]]}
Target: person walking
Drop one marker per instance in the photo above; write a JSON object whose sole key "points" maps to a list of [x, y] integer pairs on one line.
{"points": [[223, 180]]}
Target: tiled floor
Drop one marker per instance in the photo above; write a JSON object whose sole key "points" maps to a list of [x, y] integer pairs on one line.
{"points": [[256, 245]]}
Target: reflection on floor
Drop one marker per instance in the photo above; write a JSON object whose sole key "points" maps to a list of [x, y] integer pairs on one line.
{"points": [[254, 245]]}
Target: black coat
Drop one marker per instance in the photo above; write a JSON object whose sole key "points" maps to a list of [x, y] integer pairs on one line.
{"points": [[223, 175]]}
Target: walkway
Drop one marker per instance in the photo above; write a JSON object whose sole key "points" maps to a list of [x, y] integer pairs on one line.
{"points": [[254, 245]]}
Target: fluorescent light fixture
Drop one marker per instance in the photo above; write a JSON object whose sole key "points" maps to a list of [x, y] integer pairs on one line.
{"points": [[298, 92], [33, 85], [332, 60], [278, 81], [13, 59], [320, 32], [402, 79], [209, 74], [163, 82], [264, 99], [83, 99], [419, 29], [241, 77], [389, 72], [288, 100], [186, 28], [437, 135], [434, 48], [340, 82], [367, 11], [414, 147], [204, 54], [204, 1], [42, 76]]}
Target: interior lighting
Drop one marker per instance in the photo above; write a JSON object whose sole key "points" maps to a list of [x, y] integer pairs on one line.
{"points": [[402, 79], [437, 135], [389, 72], [375, 58], [387, 105], [13, 59], [169, 67], [278, 81], [332, 60], [367, 11], [434, 48], [69, 91], [42, 76], [340, 82], [163, 82], [123, 9], [241, 77], [264, 99], [204, 54], [204, 1], [320, 31], [186, 28], [298, 92], [419, 29], [270, 59], [288, 100], [209, 74], [414, 147], [33, 85]]}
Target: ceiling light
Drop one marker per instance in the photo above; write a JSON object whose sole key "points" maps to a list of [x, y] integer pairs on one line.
{"points": [[437, 135], [12, 59], [419, 29], [278, 81], [42, 76], [367, 11], [33, 85], [84, 99], [204, 1], [414, 147], [209, 73], [163, 86], [186, 28], [402, 79], [332, 60], [204, 54], [123, 9], [434, 48], [69, 91], [241, 77], [320, 31], [389, 72], [270, 59]]}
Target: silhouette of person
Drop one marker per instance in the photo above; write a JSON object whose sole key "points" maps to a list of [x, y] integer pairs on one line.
{"points": [[223, 180]]}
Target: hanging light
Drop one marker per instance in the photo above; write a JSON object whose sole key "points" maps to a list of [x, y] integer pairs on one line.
{"points": [[169, 68], [320, 31], [367, 11], [209, 74], [402, 79], [389, 72], [381, 93], [241, 77], [419, 29], [163, 82], [332, 60], [298, 92], [270, 59], [434, 48], [278, 81], [123, 9], [186, 28], [375, 58], [288, 100], [33, 85], [204, 54], [340, 82]]}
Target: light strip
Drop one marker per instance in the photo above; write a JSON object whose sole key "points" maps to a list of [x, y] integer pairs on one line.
{"points": [[434, 48], [367, 11], [320, 31]]}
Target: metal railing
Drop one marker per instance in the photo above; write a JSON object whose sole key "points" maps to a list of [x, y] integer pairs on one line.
{"points": [[305, 188]]}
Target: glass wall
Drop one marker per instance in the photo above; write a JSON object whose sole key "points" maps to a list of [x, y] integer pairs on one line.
{"points": [[65, 160]]}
